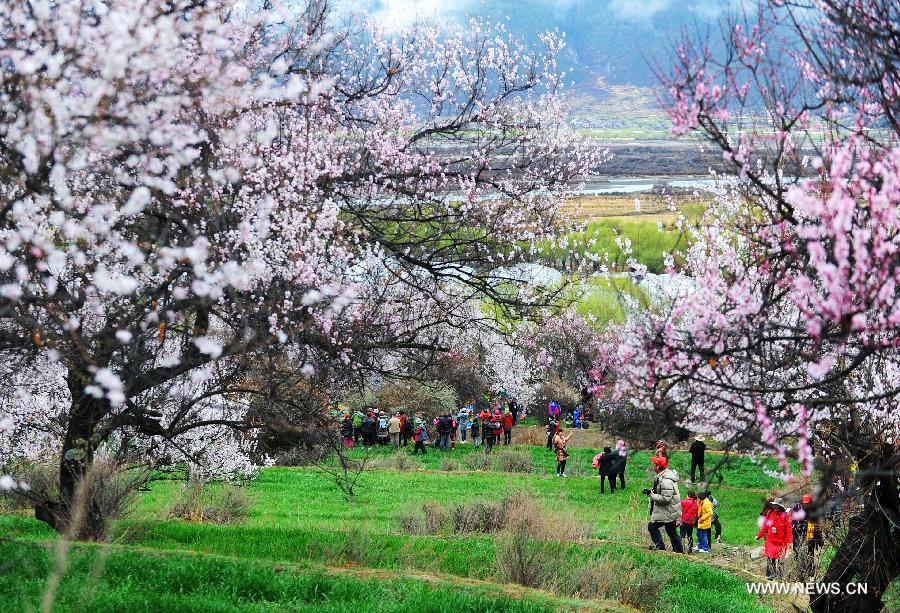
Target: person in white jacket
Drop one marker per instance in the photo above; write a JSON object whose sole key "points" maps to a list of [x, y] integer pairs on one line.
{"points": [[665, 505]]}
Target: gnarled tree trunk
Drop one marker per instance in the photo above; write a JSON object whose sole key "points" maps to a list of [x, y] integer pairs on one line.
{"points": [[75, 509], [870, 553]]}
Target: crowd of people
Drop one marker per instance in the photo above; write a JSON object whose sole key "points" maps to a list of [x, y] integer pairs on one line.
{"points": [[487, 423]]}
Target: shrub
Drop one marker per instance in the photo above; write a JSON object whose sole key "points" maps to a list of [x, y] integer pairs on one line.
{"points": [[478, 461], [623, 579], [401, 461], [449, 465], [435, 517], [524, 559], [530, 435], [516, 509], [198, 502], [484, 517], [513, 461], [109, 494]]}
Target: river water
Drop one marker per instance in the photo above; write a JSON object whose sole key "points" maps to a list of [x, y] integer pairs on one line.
{"points": [[637, 185]]}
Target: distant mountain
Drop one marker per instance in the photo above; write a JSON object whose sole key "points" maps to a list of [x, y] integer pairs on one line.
{"points": [[612, 44]]}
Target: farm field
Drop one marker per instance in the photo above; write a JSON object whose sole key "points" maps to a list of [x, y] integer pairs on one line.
{"points": [[616, 227], [304, 546]]}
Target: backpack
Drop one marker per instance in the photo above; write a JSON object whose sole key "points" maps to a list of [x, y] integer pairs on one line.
{"points": [[596, 462], [423, 433]]}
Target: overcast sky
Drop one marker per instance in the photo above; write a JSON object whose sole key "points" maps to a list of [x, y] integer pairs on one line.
{"points": [[609, 39]]}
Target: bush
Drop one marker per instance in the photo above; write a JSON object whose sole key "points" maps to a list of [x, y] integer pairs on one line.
{"points": [[198, 502], [513, 461], [435, 518], [109, 495], [524, 559], [449, 465], [401, 462], [478, 461], [487, 517], [623, 579]]}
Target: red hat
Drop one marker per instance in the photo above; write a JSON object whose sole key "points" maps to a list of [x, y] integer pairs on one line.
{"points": [[807, 498], [660, 461]]}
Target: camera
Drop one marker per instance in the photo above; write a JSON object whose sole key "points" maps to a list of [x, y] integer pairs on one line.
{"points": [[647, 491]]}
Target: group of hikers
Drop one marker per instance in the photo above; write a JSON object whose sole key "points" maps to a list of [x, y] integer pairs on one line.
{"points": [[490, 425], [779, 527]]}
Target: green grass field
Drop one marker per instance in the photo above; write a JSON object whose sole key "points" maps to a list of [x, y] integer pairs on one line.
{"points": [[306, 547], [645, 238]]}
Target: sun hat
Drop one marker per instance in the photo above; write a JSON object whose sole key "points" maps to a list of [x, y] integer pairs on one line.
{"points": [[778, 502]]}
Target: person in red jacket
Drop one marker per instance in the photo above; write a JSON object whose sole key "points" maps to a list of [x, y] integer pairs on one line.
{"points": [[688, 520], [779, 534], [507, 427]]}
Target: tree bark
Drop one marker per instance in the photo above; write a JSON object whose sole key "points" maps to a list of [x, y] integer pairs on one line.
{"points": [[74, 500], [870, 553]]}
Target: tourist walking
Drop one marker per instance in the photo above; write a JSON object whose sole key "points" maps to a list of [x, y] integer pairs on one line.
{"points": [[698, 458], [347, 431], [688, 520], [475, 427], [562, 454], [607, 469], [383, 436], [665, 507], [514, 409], [778, 532], [807, 538], [704, 522], [406, 428], [507, 427], [369, 429]]}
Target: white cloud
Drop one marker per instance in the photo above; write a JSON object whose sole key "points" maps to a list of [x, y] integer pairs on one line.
{"points": [[638, 9], [395, 15], [643, 10]]}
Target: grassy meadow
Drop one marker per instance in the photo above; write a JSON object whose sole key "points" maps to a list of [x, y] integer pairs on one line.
{"points": [[304, 546]]}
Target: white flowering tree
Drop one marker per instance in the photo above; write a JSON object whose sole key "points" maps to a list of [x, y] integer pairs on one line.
{"points": [[205, 204]]}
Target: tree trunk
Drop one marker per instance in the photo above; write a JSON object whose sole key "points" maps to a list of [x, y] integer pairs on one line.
{"points": [[75, 501], [870, 553]]}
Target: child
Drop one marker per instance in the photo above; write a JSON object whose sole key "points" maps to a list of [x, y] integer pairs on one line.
{"points": [[704, 522], [689, 511], [779, 534]]}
